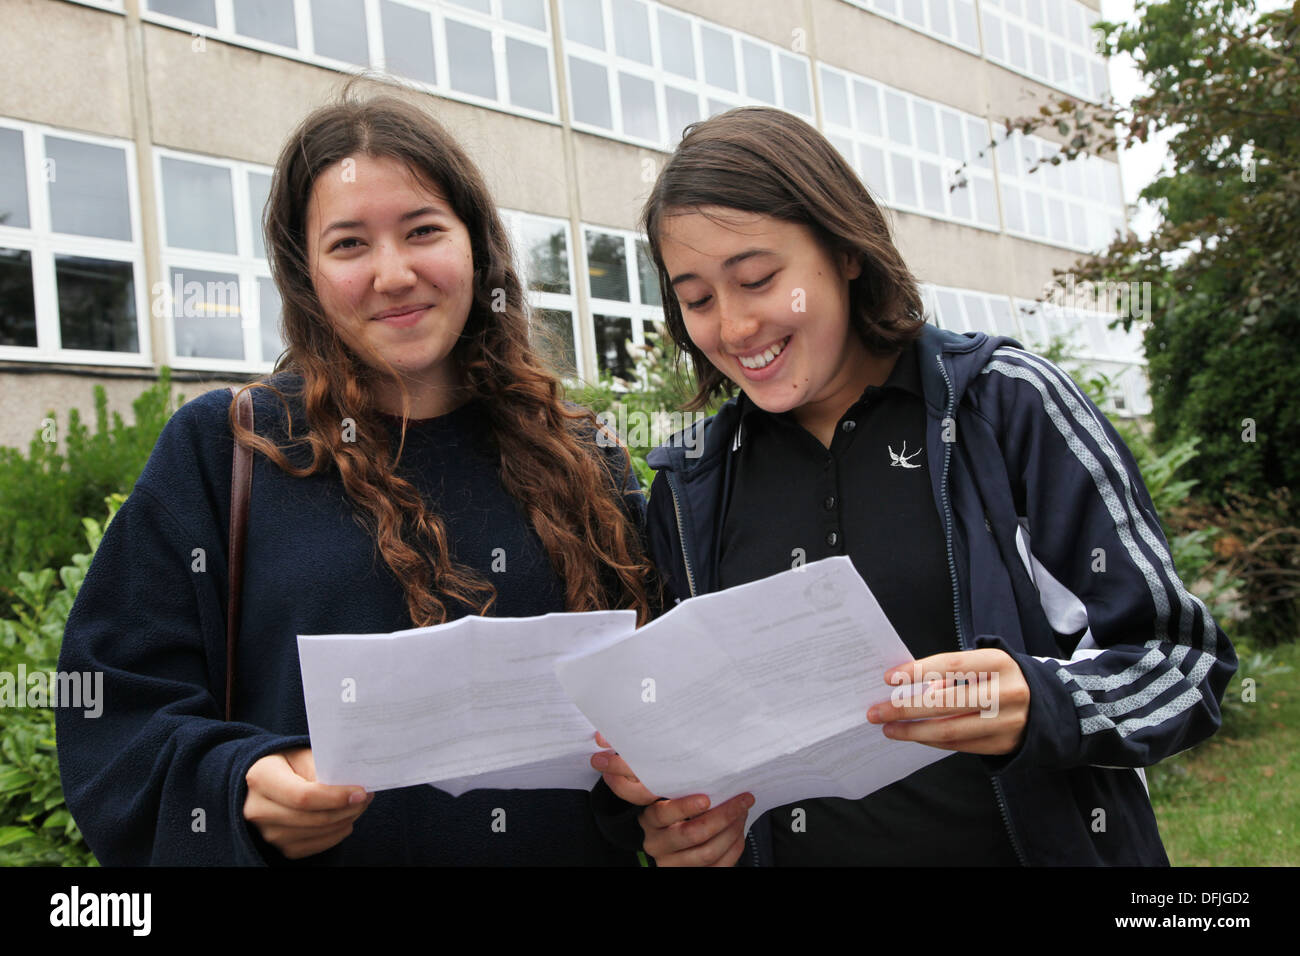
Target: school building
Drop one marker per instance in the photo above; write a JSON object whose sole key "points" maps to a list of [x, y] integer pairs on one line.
{"points": [[137, 138]]}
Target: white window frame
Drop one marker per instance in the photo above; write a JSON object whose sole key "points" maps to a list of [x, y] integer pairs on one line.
{"points": [[553, 301], [656, 74], [44, 245], [438, 10], [995, 14], [111, 6], [839, 134], [926, 28], [639, 312], [1059, 184], [243, 264]]}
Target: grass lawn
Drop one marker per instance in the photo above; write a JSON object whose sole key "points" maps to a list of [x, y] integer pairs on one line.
{"points": [[1235, 799]]}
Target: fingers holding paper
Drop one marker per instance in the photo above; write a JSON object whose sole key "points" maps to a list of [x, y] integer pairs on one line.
{"points": [[972, 701], [681, 832]]}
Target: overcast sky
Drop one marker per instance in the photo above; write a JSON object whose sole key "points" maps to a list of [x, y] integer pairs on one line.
{"points": [[1140, 165]]}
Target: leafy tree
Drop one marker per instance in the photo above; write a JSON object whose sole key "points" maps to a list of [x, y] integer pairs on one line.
{"points": [[1223, 358]]}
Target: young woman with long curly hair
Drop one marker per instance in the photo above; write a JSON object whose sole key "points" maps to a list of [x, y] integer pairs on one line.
{"points": [[414, 461]]}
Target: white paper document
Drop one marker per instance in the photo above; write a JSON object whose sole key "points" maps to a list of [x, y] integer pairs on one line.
{"points": [[761, 688], [474, 703]]}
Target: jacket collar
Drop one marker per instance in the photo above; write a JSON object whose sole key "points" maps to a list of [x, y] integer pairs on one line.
{"points": [[698, 448]]}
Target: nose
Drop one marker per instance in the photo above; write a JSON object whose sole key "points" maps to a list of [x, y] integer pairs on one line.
{"points": [[738, 325], [393, 272]]}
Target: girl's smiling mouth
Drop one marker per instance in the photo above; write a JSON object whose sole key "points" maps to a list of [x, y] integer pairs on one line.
{"points": [[762, 360]]}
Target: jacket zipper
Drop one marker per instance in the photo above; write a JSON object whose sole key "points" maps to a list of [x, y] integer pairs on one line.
{"points": [[681, 536], [956, 598]]}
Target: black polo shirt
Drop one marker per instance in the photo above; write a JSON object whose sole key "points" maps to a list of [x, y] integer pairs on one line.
{"points": [[869, 497]]}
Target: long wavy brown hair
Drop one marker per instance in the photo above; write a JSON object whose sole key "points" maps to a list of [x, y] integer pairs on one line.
{"points": [[568, 488], [767, 161]]}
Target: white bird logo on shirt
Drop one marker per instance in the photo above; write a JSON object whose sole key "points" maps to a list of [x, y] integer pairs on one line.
{"points": [[901, 460]]}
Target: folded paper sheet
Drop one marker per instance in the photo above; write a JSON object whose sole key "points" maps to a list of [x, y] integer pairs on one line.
{"points": [[470, 704], [761, 688]]}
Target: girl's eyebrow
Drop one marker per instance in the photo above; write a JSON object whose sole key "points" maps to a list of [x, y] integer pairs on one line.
{"points": [[734, 260], [357, 223]]}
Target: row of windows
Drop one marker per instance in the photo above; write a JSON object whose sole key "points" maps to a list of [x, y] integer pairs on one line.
{"points": [[638, 69], [71, 265], [642, 71], [645, 72], [491, 52], [1086, 335]]}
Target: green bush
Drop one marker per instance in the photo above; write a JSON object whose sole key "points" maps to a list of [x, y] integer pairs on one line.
{"points": [[35, 826], [645, 412], [45, 493]]}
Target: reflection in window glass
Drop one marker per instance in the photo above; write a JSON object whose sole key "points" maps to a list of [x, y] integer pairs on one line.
{"points": [[200, 11], [794, 85], [482, 6], [469, 60], [640, 118], [88, 189], [676, 47], [927, 133], [719, 58], [631, 30], [950, 312], [683, 110], [759, 82], [408, 42], [872, 168], [259, 188], [904, 180], [206, 317], [552, 336], [648, 275], [200, 209], [866, 105], [96, 304], [17, 299], [529, 75], [835, 98], [269, 20], [13, 180], [613, 344], [932, 187], [272, 340], [583, 23], [339, 30], [590, 89], [529, 13], [607, 266], [544, 253], [896, 109]]}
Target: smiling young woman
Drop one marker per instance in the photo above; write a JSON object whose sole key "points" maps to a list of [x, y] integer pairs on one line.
{"points": [[414, 463], [971, 483]]}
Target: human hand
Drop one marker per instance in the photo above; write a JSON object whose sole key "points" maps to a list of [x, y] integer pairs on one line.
{"points": [[679, 832], [972, 701], [294, 813]]}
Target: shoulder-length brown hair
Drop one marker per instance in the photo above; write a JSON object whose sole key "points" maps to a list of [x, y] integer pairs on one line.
{"points": [[767, 161], [549, 464]]}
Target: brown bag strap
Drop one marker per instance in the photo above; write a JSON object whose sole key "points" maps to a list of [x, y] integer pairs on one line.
{"points": [[241, 483]]}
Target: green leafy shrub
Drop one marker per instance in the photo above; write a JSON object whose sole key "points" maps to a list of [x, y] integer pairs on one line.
{"points": [[45, 493], [35, 826], [647, 411]]}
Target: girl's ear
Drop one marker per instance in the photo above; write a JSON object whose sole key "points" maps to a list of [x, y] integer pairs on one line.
{"points": [[852, 266]]}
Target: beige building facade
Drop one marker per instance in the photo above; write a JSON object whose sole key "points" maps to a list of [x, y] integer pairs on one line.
{"points": [[137, 139]]}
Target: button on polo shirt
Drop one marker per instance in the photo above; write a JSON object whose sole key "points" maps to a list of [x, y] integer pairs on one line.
{"points": [[868, 496]]}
